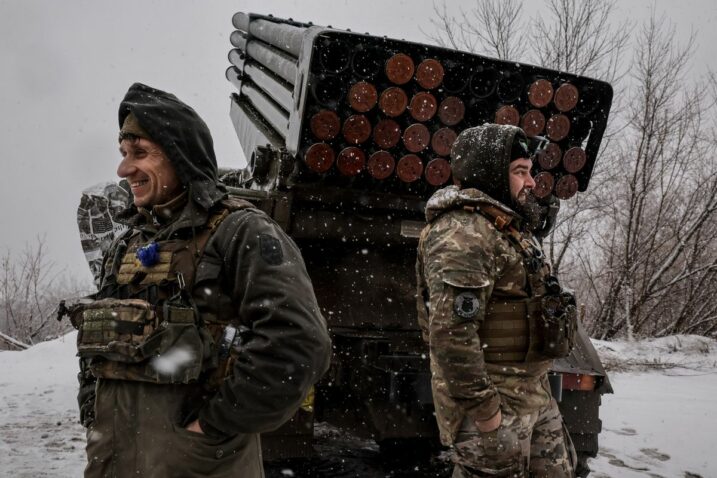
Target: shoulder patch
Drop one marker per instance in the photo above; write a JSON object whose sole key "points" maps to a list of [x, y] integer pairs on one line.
{"points": [[466, 305], [270, 249]]}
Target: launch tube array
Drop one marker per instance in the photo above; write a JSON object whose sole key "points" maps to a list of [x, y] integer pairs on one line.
{"points": [[383, 114]]}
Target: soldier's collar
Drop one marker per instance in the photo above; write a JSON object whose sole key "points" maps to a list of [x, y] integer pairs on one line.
{"points": [[170, 211], [187, 214]]}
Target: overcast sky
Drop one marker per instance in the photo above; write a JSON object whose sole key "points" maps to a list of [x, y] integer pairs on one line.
{"points": [[67, 64]]}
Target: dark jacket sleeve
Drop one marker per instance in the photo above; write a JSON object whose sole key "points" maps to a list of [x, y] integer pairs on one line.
{"points": [[288, 346]]}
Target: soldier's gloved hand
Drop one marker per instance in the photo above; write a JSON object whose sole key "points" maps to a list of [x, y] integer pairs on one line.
{"points": [[491, 424], [496, 452]]}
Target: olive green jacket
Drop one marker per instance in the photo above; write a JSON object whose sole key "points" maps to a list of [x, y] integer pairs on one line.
{"points": [[252, 276]]}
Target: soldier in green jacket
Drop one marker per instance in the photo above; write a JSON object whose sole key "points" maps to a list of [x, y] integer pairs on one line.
{"points": [[205, 330], [492, 315]]}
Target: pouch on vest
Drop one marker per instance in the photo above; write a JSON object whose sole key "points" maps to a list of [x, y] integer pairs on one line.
{"points": [[114, 329], [175, 344], [183, 347], [126, 341], [558, 325], [529, 330], [509, 333]]}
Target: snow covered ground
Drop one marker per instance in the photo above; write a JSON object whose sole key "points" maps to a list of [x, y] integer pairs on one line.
{"points": [[39, 431], [662, 419], [660, 422]]}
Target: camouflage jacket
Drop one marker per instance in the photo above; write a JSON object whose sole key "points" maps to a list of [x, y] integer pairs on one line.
{"points": [[462, 251]]}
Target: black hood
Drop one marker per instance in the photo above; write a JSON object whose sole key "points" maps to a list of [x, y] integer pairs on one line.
{"points": [[183, 136], [480, 158]]}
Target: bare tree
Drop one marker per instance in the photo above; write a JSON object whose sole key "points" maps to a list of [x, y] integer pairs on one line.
{"points": [[640, 246], [491, 27], [657, 257], [30, 288], [577, 36], [581, 37]]}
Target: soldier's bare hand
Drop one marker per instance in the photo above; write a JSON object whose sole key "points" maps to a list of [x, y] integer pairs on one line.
{"points": [[491, 424], [195, 427]]}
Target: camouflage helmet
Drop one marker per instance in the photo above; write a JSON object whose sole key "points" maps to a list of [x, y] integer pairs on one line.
{"points": [[481, 156]]}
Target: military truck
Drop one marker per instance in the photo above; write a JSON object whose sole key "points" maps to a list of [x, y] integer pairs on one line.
{"points": [[346, 136]]}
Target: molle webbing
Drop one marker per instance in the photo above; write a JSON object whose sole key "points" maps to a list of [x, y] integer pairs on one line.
{"points": [[131, 267], [175, 256], [175, 324], [507, 332]]}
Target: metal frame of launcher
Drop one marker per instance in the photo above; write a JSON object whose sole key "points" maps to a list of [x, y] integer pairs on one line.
{"points": [[349, 107], [346, 136]]}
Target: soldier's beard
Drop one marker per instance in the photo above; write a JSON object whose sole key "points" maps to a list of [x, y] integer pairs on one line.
{"points": [[528, 207]]}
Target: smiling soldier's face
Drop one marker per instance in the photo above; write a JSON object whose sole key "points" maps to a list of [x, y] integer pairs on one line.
{"points": [[149, 172]]}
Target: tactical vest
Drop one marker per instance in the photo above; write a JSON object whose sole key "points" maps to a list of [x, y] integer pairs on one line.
{"points": [[540, 327], [147, 327]]}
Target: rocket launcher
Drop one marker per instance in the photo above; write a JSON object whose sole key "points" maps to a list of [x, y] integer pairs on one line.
{"points": [[317, 107]]}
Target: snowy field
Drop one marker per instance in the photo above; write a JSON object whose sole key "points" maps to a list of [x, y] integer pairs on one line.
{"points": [[39, 431], [661, 421]]}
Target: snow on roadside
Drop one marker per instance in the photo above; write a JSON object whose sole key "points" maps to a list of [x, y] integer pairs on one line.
{"points": [[39, 431], [658, 425], [676, 351], [659, 422], [661, 419]]}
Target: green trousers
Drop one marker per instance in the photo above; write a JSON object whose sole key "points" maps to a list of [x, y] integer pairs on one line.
{"points": [[138, 432]]}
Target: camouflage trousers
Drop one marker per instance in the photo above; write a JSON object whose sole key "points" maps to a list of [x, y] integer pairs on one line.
{"points": [[535, 445]]}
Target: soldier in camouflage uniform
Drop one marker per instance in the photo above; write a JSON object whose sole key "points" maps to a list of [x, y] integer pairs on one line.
{"points": [[205, 331], [480, 282]]}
